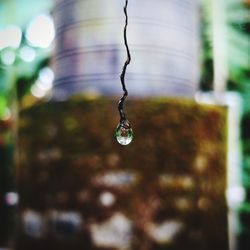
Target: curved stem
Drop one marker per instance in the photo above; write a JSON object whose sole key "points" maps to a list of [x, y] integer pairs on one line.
{"points": [[122, 76]]}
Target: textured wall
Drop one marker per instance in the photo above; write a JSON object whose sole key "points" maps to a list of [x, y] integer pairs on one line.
{"points": [[81, 190]]}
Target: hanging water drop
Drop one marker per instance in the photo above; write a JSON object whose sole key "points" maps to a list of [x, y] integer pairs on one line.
{"points": [[124, 132]]}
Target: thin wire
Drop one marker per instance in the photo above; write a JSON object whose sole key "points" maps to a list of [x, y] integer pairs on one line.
{"points": [[122, 76]]}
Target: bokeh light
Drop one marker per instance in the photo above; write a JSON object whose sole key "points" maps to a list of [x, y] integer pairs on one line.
{"points": [[8, 57], [11, 198], [44, 83], [10, 37], [41, 32], [27, 54]]}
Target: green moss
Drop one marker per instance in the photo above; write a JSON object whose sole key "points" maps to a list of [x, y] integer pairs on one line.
{"points": [[177, 160]]}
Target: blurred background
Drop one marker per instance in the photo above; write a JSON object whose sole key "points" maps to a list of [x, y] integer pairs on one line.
{"points": [[183, 183]]}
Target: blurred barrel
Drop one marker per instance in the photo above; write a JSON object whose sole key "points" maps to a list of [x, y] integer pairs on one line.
{"points": [[163, 37]]}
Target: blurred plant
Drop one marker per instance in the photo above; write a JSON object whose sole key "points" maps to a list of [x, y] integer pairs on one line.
{"points": [[238, 42], [206, 82], [21, 61], [25, 54]]}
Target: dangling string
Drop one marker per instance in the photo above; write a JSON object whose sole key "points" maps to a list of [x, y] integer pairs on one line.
{"points": [[122, 76], [124, 132]]}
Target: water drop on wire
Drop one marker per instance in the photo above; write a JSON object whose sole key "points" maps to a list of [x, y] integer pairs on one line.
{"points": [[124, 132]]}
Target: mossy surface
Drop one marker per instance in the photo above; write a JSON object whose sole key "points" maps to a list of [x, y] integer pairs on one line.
{"points": [[174, 170]]}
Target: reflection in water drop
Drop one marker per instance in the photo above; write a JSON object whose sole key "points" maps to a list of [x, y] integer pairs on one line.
{"points": [[124, 133]]}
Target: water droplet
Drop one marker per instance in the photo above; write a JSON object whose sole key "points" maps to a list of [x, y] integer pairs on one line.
{"points": [[124, 133]]}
